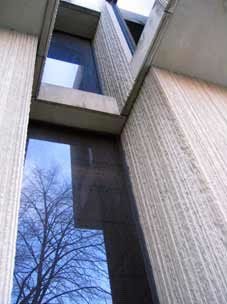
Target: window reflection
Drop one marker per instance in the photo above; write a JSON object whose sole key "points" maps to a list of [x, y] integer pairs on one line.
{"points": [[70, 63], [77, 241], [62, 73]]}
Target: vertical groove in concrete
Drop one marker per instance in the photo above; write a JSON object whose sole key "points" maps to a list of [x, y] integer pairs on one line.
{"points": [[17, 60], [112, 62], [205, 125], [171, 143]]}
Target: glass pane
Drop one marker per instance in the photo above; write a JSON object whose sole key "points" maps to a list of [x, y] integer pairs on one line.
{"points": [[62, 73], [71, 64], [77, 240]]}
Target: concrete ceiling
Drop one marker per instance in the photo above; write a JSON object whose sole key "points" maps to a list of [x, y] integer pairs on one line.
{"points": [[77, 20], [23, 15], [195, 42]]}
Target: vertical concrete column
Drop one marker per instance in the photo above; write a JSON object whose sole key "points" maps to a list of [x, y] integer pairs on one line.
{"points": [[17, 60], [175, 145]]}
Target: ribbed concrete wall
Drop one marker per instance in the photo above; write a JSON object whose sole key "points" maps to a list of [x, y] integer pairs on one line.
{"points": [[175, 145], [112, 60], [17, 59], [205, 125]]}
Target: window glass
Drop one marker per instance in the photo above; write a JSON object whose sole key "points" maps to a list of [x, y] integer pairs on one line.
{"points": [[77, 239], [62, 73], [71, 63], [132, 17]]}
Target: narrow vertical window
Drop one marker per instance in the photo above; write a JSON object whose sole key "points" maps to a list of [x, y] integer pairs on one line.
{"points": [[77, 240], [70, 63]]}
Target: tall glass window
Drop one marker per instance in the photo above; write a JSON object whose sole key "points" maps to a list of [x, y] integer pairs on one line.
{"points": [[77, 239], [70, 63]]}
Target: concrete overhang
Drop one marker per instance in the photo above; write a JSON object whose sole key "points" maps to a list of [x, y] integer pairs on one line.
{"points": [[23, 15], [77, 19], [195, 41], [77, 109]]}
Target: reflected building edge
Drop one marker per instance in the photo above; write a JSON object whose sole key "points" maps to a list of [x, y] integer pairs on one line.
{"points": [[101, 202]]}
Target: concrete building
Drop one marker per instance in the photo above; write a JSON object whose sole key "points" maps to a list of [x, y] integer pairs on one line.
{"points": [[165, 99]]}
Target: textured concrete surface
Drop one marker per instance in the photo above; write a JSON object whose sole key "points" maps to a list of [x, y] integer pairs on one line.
{"points": [[17, 60], [175, 146], [113, 57], [205, 126]]}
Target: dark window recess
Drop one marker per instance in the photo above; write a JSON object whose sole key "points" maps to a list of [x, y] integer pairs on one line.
{"points": [[125, 30], [136, 30], [71, 63], [131, 24], [78, 241]]}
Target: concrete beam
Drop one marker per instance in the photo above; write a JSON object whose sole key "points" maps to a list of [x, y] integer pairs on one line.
{"points": [[78, 109]]}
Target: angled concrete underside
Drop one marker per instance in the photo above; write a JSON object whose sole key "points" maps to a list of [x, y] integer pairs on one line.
{"points": [[23, 16], [77, 20], [17, 60], [195, 42], [175, 146]]}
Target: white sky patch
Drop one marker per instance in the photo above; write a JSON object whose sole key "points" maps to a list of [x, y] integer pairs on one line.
{"points": [[48, 155], [60, 73], [141, 7]]}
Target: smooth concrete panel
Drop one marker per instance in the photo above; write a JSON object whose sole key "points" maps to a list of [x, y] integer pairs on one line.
{"points": [[174, 142], [17, 60], [24, 16], [195, 43]]}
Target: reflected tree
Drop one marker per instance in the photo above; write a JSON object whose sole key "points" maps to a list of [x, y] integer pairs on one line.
{"points": [[56, 262]]}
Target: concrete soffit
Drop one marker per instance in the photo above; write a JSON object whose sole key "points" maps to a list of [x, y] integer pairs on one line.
{"points": [[195, 43], [77, 20]]}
